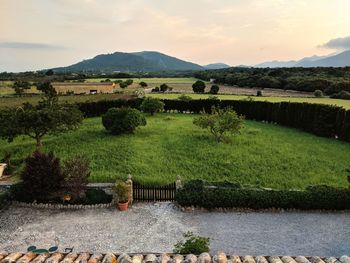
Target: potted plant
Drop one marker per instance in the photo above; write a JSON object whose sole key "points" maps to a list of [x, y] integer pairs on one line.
{"points": [[122, 191]]}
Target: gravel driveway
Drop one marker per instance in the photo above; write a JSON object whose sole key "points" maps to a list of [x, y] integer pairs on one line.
{"points": [[157, 227]]}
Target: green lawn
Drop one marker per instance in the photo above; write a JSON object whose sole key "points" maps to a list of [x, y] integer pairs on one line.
{"points": [[170, 145], [338, 102]]}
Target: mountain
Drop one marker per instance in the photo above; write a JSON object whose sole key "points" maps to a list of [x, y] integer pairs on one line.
{"points": [[339, 60], [146, 61], [167, 62], [216, 66], [276, 64], [333, 60]]}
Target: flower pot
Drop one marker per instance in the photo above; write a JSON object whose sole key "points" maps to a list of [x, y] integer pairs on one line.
{"points": [[123, 206], [2, 168]]}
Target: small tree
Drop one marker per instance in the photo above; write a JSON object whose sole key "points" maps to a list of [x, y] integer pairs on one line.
{"points": [[76, 172], [259, 93], [20, 87], [164, 87], [220, 122], [42, 176], [198, 86], [143, 84], [37, 121], [123, 120], [214, 89], [318, 93], [152, 105], [184, 97], [128, 82], [123, 85], [192, 244]]}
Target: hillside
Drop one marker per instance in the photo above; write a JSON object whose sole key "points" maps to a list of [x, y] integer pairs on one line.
{"points": [[216, 66]]}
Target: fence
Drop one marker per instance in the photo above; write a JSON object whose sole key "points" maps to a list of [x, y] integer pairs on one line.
{"points": [[154, 193]]}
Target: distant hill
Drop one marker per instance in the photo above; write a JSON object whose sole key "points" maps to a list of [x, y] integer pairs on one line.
{"points": [[166, 62], [145, 61], [216, 66], [334, 60]]}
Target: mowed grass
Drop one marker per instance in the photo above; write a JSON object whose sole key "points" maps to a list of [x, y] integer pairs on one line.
{"points": [[263, 154], [337, 102]]}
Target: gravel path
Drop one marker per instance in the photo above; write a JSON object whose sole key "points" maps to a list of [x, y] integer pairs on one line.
{"points": [[157, 227]]}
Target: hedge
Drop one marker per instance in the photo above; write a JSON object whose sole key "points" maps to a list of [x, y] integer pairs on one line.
{"points": [[319, 119], [3, 199], [198, 194]]}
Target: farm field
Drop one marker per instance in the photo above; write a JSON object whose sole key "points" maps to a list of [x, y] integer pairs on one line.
{"points": [[262, 155], [337, 102], [18, 101]]}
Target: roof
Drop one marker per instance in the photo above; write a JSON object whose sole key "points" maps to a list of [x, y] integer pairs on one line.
{"points": [[220, 257]]}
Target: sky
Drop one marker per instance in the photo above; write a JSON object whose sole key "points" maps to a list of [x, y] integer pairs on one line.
{"points": [[40, 34]]}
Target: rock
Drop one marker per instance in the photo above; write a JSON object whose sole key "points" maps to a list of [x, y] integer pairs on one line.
{"points": [[40, 258], [302, 259], [70, 258], [124, 258], [287, 259], [137, 259], [248, 259], [235, 259], [316, 260], [178, 258], [82, 258], [95, 258], [221, 257], [27, 258], [11, 258], [150, 258], [164, 258], [55, 258], [331, 260]]}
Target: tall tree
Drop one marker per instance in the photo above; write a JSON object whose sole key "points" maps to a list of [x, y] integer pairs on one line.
{"points": [[20, 87]]}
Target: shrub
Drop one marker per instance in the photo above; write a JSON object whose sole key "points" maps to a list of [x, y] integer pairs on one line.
{"points": [[152, 105], [214, 89], [164, 87], [3, 199], [156, 89], [259, 93], [122, 191], [219, 122], [192, 244], [184, 97], [76, 172], [123, 120], [42, 176], [143, 84], [123, 85], [128, 82], [318, 93], [344, 95], [198, 86], [97, 196], [314, 197]]}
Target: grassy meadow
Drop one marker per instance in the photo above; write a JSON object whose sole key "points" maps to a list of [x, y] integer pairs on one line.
{"points": [[263, 154]]}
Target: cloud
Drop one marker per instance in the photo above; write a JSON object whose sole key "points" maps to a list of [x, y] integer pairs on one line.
{"points": [[28, 45], [338, 43]]}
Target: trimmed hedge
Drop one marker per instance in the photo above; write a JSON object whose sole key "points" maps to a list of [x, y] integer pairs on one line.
{"points": [[319, 119], [316, 197], [3, 199]]}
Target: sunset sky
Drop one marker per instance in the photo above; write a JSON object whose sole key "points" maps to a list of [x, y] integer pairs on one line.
{"points": [[38, 34]]}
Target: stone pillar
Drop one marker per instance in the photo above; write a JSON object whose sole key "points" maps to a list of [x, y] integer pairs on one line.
{"points": [[130, 192], [178, 183]]}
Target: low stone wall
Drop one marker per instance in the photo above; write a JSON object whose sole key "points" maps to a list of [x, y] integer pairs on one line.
{"points": [[62, 206]]}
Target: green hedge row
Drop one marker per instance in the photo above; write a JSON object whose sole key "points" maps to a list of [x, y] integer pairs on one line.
{"points": [[314, 197], [320, 119]]}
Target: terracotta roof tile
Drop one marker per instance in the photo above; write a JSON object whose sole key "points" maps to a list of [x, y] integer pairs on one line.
{"points": [[220, 257]]}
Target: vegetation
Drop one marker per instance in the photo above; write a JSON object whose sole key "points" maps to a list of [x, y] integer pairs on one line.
{"points": [[220, 122], [344, 95], [143, 84], [122, 120], [214, 89], [192, 244], [37, 121], [198, 86], [313, 197], [42, 176], [121, 190], [318, 93], [184, 97], [152, 105], [20, 87], [263, 155], [328, 80]]}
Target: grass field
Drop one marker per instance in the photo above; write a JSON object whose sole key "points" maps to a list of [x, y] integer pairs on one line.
{"points": [[170, 145], [338, 102]]}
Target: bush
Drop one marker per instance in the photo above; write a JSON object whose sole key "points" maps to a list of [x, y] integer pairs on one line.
{"points": [[318, 93], [164, 87], [152, 105], [214, 89], [314, 197], [42, 176], [344, 95], [97, 196], [143, 84], [156, 89], [76, 172], [3, 199], [122, 191], [198, 86], [123, 120], [192, 244], [184, 97], [220, 122], [259, 93]]}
